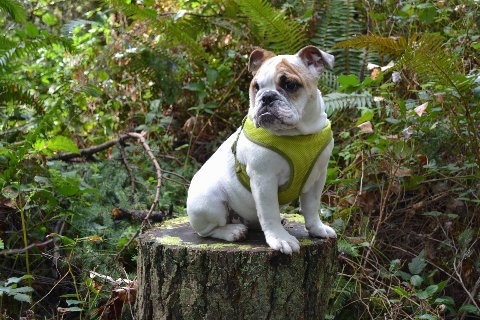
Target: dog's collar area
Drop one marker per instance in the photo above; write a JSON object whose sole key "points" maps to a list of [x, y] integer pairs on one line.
{"points": [[300, 151]]}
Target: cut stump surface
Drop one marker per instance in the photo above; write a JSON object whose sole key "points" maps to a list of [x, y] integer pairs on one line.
{"points": [[184, 276]]}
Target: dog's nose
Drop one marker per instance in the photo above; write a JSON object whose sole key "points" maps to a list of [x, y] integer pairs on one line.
{"points": [[268, 97]]}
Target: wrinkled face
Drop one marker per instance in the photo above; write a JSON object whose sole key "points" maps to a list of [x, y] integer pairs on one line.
{"points": [[280, 90]]}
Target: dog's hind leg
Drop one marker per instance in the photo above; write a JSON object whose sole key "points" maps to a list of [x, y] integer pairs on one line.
{"points": [[210, 220]]}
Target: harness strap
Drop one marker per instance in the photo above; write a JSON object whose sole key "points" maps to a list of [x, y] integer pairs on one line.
{"points": [[300, 152]]}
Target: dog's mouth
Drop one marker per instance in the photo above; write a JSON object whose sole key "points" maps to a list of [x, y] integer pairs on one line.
{"points": [[265, 119], [274, 111], [277, 114]]}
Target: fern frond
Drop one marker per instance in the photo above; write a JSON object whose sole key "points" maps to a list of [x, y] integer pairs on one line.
{"points": [[339, 20], [6, 44], [427, 57], [134, 11], [392, 46], [336, 101], [10, 92], [279, 32], [5, 57], [26, 47], [347, 248], [344, 291], [158, 67], [14, 9], [179, 33], [328, 82], [182, 32]]}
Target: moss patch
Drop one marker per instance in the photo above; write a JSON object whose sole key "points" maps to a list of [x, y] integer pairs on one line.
{"points": [[219, 246], [306, 241], [294, 217], [172, 223], [170, 240]]}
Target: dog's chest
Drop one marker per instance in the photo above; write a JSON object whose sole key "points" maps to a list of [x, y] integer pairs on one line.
{"points": [[300, 155]]}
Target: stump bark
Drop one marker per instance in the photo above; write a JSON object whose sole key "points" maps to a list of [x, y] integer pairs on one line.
{"points": [[184, 276]]}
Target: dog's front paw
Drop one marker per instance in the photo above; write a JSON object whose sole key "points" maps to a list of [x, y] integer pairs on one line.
{"points": [[282, 241], [322, 231]]}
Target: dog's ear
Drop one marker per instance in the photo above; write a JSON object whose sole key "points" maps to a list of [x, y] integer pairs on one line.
{"points": [[315, 59], [257, 58]]}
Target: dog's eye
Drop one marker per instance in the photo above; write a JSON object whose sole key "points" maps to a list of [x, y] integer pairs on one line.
{"points": [[291, 86], [256, 86]]}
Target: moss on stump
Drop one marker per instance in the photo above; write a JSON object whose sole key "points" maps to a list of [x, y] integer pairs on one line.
{"points": [[184, 276]]}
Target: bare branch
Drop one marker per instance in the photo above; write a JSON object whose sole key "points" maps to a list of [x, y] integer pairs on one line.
{"points": [[90, 150], [138, 215]]}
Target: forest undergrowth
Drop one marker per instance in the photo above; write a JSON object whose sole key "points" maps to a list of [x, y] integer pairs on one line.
{"points": [[107, 109]]}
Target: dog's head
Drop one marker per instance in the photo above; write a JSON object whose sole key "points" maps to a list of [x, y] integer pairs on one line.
{"points": [[283, 86]]}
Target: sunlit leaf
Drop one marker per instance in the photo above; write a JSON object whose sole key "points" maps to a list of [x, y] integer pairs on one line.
{"points": [[61, 143]]}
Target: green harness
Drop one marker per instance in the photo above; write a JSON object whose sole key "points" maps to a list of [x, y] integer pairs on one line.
{"points": [[301, 153]]}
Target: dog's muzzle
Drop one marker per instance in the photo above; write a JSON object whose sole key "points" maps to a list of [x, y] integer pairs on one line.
{"points": [[273, 109]]}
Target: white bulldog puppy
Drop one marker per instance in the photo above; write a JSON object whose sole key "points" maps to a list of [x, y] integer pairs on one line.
{"points": [[279, 154]]}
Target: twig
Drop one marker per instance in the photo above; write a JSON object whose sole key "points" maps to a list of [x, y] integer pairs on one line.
{"points": [[25, 249], [59, 226], [457, 267], [56, 247], [125, 163], [158, 171], [50, 291], [110, 280], [138, 215], [90, 150]]}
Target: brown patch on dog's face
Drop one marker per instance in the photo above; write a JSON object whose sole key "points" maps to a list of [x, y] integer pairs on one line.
{"points": [[291, 79]]}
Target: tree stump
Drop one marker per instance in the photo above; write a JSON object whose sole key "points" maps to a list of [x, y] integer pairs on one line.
{"points": [[184, 276]]}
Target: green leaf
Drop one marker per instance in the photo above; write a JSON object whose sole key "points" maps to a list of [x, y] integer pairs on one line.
{"points": [[22, 290], [347, 248], [417, 264], [469, 308], [49, 19], [13, 280], [31, 30], [212, 75], [367, 115], [74, 302], [40, 145], [428, 292], [348, 81], [22, 297], [66, 241], [448, 301], [427, 13], [466, 238], [427, 316], [195, 86], [74, 309], [405, 276], [416, 280], [14, 9], [2, 245], [400, 291], [61, 143]]}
